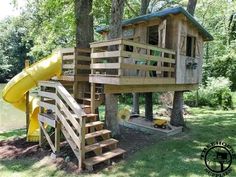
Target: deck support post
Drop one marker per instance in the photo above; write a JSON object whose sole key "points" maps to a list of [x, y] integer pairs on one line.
{"points": [[27, 102], [92, 98], [57, 136]]}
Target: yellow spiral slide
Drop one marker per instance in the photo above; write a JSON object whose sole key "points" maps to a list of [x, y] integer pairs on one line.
{"points": [[16, 88]]}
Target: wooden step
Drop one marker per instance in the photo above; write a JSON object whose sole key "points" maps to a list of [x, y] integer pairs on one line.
{"points": [[47, 118], [86, 108], [97, 133], [103, 157], [94, 124], [100, 144]]}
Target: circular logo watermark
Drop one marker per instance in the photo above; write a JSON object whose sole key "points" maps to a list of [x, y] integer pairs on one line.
{"points": [[218, 158]]}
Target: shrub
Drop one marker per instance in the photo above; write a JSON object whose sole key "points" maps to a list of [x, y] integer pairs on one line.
{"points": [[215, 93]]}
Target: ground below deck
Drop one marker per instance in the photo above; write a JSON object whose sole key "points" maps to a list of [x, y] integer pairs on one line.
{"points": [[130, 140]]}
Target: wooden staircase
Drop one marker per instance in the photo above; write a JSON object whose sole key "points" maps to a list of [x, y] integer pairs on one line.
{"points": [[89, 140]]}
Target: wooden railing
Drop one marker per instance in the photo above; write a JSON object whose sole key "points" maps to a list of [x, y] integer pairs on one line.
{"points": [[57, 103], [75, 64], [130, 60]]}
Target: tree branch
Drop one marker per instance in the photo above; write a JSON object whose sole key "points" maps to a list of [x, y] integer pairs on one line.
{"points": [[130, 8]]}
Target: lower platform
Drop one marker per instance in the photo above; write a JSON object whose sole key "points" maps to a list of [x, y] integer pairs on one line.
{"points": [[146, 126]]}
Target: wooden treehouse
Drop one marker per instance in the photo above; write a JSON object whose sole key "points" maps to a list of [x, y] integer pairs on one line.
{"points": [[162, 51]]}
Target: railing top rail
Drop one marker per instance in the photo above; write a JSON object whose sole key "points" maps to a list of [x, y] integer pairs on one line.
{"points": [[48, 83], [147, 46], [65, 95], [70, 101], [106, 43]]}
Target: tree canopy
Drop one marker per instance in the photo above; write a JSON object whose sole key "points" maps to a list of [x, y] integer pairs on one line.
{"points": [[48, 24]]}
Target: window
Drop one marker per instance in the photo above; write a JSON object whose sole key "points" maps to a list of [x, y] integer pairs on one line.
{"points": [[191, 46], [153, 35]]}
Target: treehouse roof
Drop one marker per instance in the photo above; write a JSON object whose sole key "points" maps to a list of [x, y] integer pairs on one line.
{"points": [[176, 10]]}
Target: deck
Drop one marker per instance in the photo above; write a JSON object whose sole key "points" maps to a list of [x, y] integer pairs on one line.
{"points": [[124, 62]]}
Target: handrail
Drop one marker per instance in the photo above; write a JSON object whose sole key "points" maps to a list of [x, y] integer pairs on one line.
{"points": [[63, 100]]}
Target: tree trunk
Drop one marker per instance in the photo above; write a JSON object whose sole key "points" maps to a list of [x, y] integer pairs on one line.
{"points": [[111, 114], [192, 6], [144, 7], [84, 23], [117, 10], [177, 118], [135, 109], [148, 106], [111, 101]]}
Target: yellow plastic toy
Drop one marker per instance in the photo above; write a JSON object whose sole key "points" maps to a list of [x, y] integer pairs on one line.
{"points": [[160, 123], [14, 92]]}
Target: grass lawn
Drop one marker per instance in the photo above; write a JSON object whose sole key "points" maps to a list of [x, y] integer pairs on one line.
{"points": [[177, 156]]}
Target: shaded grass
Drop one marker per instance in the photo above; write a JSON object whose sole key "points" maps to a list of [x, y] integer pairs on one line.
{"points": [[177, 156], [12, 134]]}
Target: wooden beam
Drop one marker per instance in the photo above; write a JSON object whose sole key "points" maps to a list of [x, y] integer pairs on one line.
{"points": [[130, 80], [92, 103], [148, 88], [147, 46], [27, 110], [47, 137], [142, 57], [102, 55], [105, 66], [106, 43]]}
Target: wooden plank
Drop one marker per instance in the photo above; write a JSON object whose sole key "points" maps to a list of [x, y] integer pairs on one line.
{"points": [[69, 116], [47, 94], [47, 137], [148, 88], [70, 101], [68, 66], [142, 57], [67, 50], [70, 131], [103, 157], [83, 58], [145, 67], [92, 103], [145, 81], [103, 55], [82, 67], [57, 136], [105, 43], [100, 144], [46, 119], [83, 50], [97, 133], [147, 46], [130, 80], [93, 124], [105, 66], [82, 144], [104, 79], [47, 84], [68, 57], [47, 106]]}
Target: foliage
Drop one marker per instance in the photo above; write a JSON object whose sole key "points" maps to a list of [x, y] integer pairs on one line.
{"points": [[220, 53], [216, 93], [13, 47]]}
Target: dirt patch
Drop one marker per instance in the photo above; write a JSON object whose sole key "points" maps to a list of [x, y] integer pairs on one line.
{"points": [[130, 140]]}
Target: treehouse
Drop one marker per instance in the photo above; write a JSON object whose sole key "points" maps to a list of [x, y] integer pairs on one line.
{"points": [[161, 51]]}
